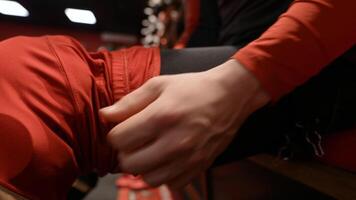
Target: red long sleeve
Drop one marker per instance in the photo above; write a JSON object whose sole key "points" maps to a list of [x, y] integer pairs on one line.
{"points": [[51, 92], [191, 20], [310, 35]]}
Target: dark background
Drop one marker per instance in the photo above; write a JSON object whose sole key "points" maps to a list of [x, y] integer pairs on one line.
{"points": [[120, 18]]}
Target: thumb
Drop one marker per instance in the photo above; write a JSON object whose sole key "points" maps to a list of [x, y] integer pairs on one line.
{"points": [[131, 103]]}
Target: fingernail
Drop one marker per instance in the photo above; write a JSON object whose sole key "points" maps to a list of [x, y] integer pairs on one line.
{"points": [[103, 112], [105, 109], [102, 118]]}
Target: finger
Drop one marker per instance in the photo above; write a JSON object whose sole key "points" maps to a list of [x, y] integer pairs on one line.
{"points": [[134, 132], [154, 155], [165, 174], [131, 103], [184, 179]]}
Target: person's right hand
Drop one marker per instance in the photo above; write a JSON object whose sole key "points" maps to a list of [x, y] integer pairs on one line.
{"points": [[173, 127]]}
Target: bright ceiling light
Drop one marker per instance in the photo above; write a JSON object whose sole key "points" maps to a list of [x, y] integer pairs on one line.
{"points": [[80, 16], [13, 8]]}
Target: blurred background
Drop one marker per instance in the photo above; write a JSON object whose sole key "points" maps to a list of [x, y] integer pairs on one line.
{"points": [[95, 23]]}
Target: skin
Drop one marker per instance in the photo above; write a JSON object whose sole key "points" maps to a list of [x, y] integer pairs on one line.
{"points": [[7, 195], [173, 127]]}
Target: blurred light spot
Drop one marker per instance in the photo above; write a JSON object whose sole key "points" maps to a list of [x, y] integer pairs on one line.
{"points": [[80, 16], [13, 8]]}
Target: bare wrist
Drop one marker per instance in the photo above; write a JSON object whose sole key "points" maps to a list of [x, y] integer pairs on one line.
{"points": [[241, 83]]}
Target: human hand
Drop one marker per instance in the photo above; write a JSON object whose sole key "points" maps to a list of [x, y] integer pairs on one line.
{"points": [[173, 127]]}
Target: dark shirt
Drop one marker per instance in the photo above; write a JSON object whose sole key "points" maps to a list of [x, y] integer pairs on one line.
{"points": [[235, 22], [242, 21]]}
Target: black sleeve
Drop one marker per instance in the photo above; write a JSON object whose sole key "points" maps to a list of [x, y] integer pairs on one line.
{"points": [[194, 59]]}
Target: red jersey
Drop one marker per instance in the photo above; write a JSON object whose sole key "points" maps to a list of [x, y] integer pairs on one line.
{"points": [[306, 38], [51, 92]]}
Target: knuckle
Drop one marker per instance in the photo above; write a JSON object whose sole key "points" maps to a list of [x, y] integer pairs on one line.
{"points": [[153, 83], [201, 123], [169, 116], [111, 138], [115, 139], [187, 144]]}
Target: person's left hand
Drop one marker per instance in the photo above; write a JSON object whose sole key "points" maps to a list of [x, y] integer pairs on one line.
{"points": [[173, 127]]}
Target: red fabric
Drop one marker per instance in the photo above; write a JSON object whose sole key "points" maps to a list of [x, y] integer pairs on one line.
{"points": [[131, 182], [340, 150], [191, 21], [161, 193], [135, 185], [311, 34], [51, 91]]}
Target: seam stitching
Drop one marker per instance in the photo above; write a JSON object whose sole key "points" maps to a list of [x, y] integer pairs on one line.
{"points": [[61, 69]]}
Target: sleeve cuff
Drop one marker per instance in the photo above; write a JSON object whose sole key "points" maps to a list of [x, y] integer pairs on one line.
{"points": [[132, 67]]}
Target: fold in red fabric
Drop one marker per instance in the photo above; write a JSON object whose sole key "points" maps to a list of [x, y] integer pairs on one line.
{"points": [[51, 91], [310, 35]]}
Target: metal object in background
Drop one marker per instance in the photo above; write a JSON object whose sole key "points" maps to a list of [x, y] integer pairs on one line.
{"points": [[161, 26]]}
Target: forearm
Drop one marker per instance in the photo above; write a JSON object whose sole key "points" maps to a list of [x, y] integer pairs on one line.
{"points": [[235, 79], [305, 39], [216, 60]]}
